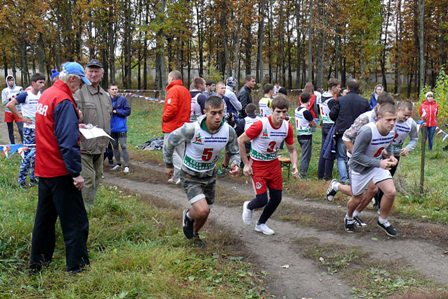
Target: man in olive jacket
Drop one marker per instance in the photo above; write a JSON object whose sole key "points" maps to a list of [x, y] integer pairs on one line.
{"points": [[96, 109]]}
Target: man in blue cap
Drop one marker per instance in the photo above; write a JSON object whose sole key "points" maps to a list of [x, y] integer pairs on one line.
{"points": [[96, 107], [58, 166]]}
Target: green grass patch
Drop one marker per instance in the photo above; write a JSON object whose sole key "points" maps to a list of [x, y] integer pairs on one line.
{"points": [[136, 247]]}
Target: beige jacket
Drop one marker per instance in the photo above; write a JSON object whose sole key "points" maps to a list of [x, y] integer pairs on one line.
{"points": [[96, 107]]}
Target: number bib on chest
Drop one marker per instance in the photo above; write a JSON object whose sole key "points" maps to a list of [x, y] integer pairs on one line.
{"points": [[265, 146], [378, 142], [203, 151], [302, 125], [402, 130]]}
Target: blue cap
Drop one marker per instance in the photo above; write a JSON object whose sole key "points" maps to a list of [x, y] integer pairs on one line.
{"points": [[54, 73], [74, 68]]}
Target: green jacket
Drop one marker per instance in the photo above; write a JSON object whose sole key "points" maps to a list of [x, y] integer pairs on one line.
{"points": [[96, 108]]}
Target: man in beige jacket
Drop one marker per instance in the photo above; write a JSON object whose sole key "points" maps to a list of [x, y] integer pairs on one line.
{"points": [[96, 108]]}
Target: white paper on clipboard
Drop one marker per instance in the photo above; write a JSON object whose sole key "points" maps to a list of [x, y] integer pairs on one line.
{"points": [[93, 132]]}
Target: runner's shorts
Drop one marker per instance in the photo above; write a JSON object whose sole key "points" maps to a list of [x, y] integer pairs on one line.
{"points": [[359, 182], [267, 174], [10, 117], [198, 188]]}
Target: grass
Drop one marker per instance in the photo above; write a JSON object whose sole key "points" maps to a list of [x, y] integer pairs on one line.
{"points": [[136, 246], [145, 123], [368, 277]]}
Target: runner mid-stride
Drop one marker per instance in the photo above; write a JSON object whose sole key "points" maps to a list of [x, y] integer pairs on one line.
{"points": [[204, 139]]}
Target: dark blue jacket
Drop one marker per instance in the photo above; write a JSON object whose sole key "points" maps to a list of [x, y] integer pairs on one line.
{"points": [[123, 110], [347, 109]]}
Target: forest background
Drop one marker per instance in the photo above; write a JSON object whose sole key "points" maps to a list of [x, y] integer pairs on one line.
{"points": [[401, 44]]}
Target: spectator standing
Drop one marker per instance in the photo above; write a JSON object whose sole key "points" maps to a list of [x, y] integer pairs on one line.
{"points": [[210, 89], [118, 127], [304, 123], [428, 113], [8, 94], [96, 108], [58, 166], [276, 88], [376, 92], [176, 112], [28, 101], [233, 106], [197, 87], [265, 103], [325, 166], [312, 107], [344, 113], [244, 96]]}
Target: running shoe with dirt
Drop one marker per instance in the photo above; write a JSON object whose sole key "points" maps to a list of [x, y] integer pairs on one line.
{"points": [[388, 229], [247, 214], [263, 228], [359, 222], [331, 191], [349, 225], [187, 225], [198, 242]]}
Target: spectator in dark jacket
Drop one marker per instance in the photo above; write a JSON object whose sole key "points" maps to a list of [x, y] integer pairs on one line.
{"points": [[118, 127], [244, 96], [344, 113]]}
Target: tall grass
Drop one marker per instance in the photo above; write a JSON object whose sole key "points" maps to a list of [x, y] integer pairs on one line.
{"points": [[137, 250]]}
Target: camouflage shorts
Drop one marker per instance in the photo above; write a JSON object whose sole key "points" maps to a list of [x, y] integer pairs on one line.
{"points": [[198, 188]]}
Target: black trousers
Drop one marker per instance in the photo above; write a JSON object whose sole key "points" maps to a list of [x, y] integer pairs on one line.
{"points": [[58, 197]]}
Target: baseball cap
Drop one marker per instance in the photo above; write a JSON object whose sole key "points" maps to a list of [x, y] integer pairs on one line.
{"points": [[74, 68], [94, 63], [54, 73]]}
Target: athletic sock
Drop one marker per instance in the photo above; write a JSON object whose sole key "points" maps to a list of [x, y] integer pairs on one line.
{"points": [[348, 218], [336, 186], [382, 220], [356, 213]]}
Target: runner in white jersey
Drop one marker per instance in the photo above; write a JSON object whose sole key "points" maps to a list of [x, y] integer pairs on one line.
{"points": [[404, 127], [204, 140], [28, 101], [264, 167], [304, 124], [369, 167]]}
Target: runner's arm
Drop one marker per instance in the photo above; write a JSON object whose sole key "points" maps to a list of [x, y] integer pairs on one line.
{"points": [[232, 148], [178, 136]]}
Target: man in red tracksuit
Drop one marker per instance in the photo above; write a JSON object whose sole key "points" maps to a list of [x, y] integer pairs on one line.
{"points": [[176, 112], [58, 166]]}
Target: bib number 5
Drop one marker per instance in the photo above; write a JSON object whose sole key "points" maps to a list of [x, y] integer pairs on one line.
{"points": [[207, 154]]}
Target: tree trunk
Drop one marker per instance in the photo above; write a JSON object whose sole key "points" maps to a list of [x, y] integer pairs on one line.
{"points": [[320, 46], [160, 53], [384, 44], [310, 41], [5, 63], [260, 41], [398, 37], [421, 43]]}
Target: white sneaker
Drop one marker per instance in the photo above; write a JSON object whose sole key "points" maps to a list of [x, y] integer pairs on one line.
{"points": [[126, 170], [247, 214], [331, 191], [263, 228], [116, 167]]}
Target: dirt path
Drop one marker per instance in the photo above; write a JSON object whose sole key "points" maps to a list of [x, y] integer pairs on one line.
{"points": [[303, 278]]}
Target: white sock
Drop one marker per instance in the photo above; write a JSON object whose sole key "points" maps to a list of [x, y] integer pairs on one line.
{"points": [[356, 213], [336, 186], [188, 215], [382, 220], [348, 218]]}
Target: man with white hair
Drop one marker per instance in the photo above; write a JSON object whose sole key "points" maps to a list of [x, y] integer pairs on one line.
{"points": [[96, 108], [58, 166]]}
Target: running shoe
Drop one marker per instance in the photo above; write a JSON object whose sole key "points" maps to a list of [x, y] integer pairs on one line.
{"points": [[359, 222], [349, 225], [198, 242], [388, 229], [116, 167], [331, 191], [263, 228], [187, 225], [126, 170], [247, 214]]}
